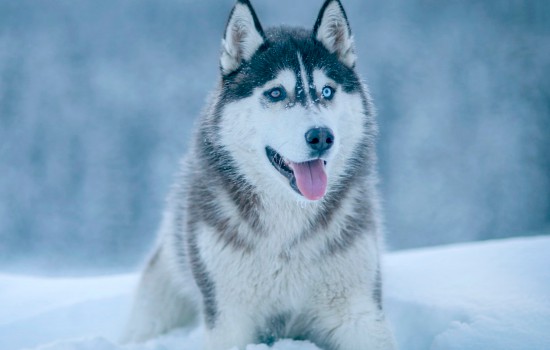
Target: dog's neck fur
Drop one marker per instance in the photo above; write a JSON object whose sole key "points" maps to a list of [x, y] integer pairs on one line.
{"points": [[273, 218]]}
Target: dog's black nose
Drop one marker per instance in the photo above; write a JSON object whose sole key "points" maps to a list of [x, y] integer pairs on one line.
{"points": [[320, 139]]}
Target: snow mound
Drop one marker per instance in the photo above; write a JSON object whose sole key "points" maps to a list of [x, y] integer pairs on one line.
{"points": [[490, 295]]}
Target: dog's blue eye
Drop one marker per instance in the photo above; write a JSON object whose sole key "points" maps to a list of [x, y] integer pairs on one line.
{"points": [[276, 94], [328, 92]]}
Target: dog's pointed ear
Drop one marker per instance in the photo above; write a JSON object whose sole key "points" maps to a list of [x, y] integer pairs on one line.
{"points": [[333, 31], [243, 36]]}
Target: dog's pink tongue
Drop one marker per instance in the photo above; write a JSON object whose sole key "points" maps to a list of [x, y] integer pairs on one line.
{"points": [[311, 178]]}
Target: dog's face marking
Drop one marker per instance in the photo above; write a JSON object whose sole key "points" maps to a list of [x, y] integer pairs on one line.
{"points": [[295, 102], [303, 88]]}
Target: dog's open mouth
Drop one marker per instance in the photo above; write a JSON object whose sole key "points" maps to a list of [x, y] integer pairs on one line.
{"points": [[307, 178]]}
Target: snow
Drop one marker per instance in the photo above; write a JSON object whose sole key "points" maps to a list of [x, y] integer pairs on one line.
{"points": [[489, 295]]}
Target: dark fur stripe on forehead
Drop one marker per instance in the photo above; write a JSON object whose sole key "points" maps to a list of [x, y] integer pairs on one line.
{"points": [[280, 52]]}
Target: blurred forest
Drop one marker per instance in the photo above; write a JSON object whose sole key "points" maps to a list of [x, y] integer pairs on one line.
{"points": [[98, 99]]}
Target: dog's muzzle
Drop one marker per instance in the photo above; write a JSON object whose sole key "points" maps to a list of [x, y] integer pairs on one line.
{"points": [[307, 178]]}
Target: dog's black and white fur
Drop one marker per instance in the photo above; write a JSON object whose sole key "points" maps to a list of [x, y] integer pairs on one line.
{"points": [[272, 229]]}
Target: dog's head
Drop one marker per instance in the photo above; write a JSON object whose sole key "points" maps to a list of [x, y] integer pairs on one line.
{"points": [[294, 110]]}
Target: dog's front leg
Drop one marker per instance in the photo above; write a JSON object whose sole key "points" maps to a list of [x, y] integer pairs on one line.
{"points": [[232, 328], [368, 332], [354, 324]]}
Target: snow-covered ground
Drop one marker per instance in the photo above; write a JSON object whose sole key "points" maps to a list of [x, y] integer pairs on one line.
{"points": [[490, 295]]}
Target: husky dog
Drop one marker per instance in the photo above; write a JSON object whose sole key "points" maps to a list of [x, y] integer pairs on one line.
{"points": [[272, 229]]}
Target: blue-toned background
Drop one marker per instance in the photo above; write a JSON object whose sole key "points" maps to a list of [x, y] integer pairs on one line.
{"points": [[98, 99]]}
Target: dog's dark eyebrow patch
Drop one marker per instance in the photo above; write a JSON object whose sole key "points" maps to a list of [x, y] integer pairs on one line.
{"points": [[280, 52]]}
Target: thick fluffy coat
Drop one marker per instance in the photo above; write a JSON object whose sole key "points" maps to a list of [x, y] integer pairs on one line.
{"points": [[272, 229]]}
